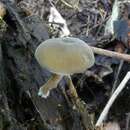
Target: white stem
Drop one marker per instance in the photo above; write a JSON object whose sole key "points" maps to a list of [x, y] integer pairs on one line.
{"points": [[112, 99]]}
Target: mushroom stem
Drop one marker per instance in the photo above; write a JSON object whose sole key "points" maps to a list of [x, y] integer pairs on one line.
{"points": [[73, 92], [80, 106], [52, 83], [117, 55]]}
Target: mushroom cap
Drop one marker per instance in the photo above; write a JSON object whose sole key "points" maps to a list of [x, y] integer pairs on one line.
{"points": [[2, 9], [65, 56]]}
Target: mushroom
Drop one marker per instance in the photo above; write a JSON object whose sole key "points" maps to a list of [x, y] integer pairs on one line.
{"points": [[63, 57], [2, 10]]}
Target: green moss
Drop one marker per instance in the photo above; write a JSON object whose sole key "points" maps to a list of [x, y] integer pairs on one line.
{"points": [[3, 26], [22, 76]]}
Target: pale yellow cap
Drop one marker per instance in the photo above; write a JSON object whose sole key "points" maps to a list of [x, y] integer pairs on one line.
{"points": [[2, 9], [65, 56]]}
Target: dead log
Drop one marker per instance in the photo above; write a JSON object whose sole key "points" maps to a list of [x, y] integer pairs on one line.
{"points": [[23, 76]]}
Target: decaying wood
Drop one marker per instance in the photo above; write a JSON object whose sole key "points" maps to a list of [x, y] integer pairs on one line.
{"points": [[24, 76]]}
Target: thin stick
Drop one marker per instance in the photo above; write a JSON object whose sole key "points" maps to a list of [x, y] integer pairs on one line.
{"points": [[127, 121], [110, 53], [117, 74], [112, 99]]}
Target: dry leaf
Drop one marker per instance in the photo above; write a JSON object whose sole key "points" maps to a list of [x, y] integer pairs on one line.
{"points": [[55, 17], [109, 28]]}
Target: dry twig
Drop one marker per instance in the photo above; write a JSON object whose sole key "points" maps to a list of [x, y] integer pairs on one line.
{"points": [[113, 54]]}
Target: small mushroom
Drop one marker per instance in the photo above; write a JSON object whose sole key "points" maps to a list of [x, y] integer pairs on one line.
{"points": [[63, 56], [2, 10]]}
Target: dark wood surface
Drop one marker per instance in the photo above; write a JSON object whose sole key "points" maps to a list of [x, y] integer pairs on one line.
{"points": [[21, 76]]}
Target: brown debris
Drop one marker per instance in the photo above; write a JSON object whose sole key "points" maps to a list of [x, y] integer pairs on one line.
{"points": [[112, 126], [119, 47], [109, 126]]}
